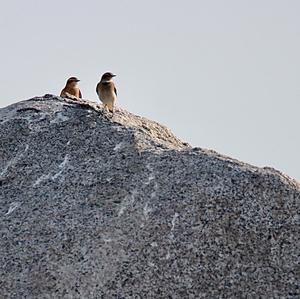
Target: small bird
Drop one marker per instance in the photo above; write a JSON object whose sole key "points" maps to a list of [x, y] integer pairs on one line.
{"points": [[71, 89], [107, 91]]}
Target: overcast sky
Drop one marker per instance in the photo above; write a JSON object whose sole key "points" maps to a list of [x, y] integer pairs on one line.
{"points": [[220, 74]]}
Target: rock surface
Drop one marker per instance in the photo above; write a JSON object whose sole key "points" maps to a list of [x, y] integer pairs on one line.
{"points": [[100, 206]]}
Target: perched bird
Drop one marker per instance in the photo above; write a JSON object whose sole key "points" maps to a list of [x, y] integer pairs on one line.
{"points": [[71, 89], [107, 91]]}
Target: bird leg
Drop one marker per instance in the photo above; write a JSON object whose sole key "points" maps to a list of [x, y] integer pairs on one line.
{"points": [[105, 107]]}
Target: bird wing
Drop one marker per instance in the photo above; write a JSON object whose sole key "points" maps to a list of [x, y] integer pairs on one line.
{"points": [[115, 91], [97, 88], [80, 95], [63, 93]]}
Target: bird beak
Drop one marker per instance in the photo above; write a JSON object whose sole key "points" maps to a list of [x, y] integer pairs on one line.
{"points": [[114, 75], [77, 80]]}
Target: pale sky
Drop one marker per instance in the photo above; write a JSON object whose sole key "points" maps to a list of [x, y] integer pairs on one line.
{"points": [[220, 74]]}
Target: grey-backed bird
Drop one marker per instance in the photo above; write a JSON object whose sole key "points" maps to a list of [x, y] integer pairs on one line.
{"points": [[71, 89], [107, 91]]}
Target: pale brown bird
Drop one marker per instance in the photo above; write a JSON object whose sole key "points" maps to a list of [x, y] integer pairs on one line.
{"points": [[107, 91], [71, 89]]}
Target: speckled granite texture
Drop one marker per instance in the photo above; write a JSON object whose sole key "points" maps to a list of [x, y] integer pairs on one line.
{"points": [[99, 206]]}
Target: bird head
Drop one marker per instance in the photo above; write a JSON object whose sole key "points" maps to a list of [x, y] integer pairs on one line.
{"points": [[72, 81], [107, 76]]}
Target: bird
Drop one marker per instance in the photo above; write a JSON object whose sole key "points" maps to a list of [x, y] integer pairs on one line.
{"points": [[71, 89], [107, 91]]}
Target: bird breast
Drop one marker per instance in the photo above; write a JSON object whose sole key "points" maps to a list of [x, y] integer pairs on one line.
{"points": [[106, 90]]}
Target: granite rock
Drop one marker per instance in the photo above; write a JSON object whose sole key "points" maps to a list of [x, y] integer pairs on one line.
{"points": [[95, 205]]}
